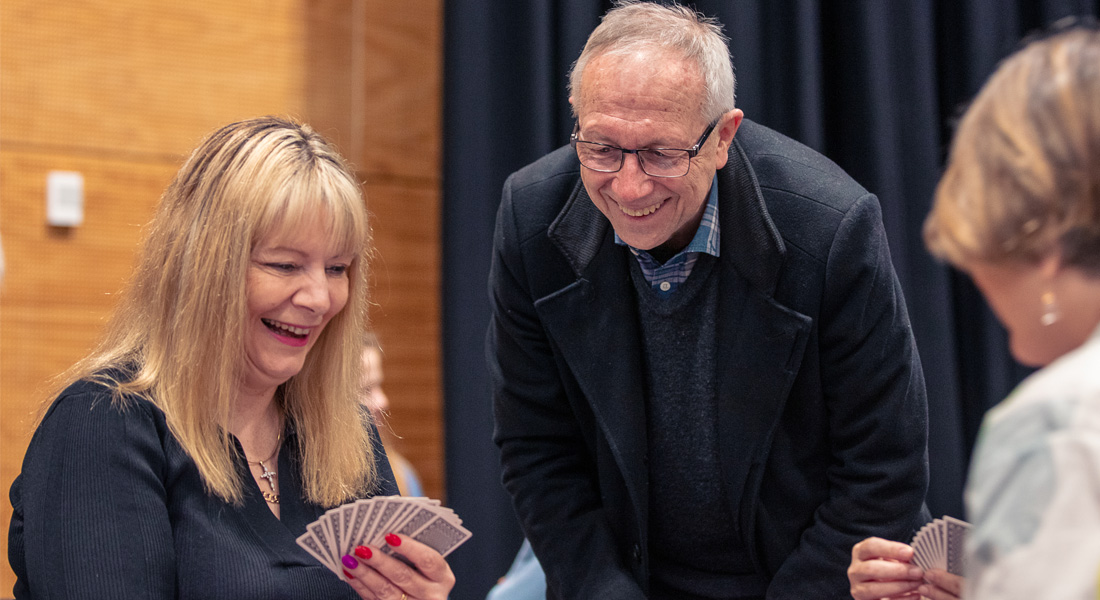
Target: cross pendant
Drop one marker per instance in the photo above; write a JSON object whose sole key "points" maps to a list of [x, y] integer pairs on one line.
{"points": [[268, 474]]}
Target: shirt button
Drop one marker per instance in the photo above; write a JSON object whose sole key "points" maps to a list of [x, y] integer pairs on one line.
{"points": [[665, 286]]}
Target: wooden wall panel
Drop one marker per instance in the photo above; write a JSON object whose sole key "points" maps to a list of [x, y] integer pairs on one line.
{"points": [[61, 282], [144, 78], [387, 131], [405, 294], [402, 128], [121, 90]]}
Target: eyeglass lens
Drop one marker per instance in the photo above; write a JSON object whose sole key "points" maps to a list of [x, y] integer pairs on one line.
{"points": [[608, 159]]}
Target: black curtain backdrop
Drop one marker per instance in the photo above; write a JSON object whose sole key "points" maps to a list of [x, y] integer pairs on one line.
{"points": [[874, 85]]}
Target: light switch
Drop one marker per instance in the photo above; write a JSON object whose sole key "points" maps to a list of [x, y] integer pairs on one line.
{"points": [[64, 198]]}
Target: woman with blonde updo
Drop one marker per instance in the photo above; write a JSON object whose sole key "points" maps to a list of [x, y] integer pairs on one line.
{"points": [[1018, 209]]}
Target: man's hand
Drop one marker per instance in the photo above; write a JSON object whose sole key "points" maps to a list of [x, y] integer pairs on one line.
{"points": [[881, 569]]}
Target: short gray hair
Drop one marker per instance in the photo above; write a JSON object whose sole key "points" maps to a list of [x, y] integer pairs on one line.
{"points": [[632, 25]]}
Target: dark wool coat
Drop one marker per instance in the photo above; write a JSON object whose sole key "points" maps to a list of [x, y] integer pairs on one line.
{"points": [[822, 413]]}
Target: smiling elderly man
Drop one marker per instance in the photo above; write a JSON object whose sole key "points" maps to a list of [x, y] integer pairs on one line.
{"points": [[705, 380]]}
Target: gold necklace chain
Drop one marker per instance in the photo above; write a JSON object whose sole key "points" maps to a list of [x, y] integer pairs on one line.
{"points": [[271, 497]]}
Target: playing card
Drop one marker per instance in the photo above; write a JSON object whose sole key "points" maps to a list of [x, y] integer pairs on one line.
{"points": [[956, 532], [941, 545], [323, 539], [389, 507], [404, 507], [314, 548], [375, 512], [360, 512], [442, 536], [335, 525], [348, 513]]}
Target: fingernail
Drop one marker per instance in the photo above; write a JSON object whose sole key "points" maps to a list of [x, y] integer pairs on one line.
{"points": [[349, 561], [363, 552], [348, 575], [393, 540], [915, 573]]}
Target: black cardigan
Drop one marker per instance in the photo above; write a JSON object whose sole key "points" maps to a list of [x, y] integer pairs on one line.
{"points": [[108, 505]]}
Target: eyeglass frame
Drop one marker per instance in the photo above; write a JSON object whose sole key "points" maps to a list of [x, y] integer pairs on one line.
{"points": [[691, 152]]}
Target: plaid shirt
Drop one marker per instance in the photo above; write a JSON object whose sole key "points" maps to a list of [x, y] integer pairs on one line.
{"points": [[667, 277]]}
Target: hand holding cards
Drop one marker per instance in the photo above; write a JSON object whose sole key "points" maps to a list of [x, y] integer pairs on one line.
{"points": [[366, 523], [940, 544]]}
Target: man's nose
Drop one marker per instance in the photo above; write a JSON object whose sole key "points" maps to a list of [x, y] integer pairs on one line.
{"points": [[631, 182]]}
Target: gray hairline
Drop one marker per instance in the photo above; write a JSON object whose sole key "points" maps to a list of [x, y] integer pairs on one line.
{"points": [[699, 39]]}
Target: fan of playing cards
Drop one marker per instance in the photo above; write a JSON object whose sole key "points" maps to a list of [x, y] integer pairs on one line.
{"points": [[366, 523], [939, 545]]}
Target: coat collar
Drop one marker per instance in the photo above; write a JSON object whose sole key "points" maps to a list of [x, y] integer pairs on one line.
{"points": [[749, 237]]}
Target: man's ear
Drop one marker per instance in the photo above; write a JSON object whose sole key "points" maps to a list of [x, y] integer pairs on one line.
{"points": [[724, 131]]}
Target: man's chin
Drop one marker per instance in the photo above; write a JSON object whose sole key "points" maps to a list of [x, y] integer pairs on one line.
{"points": [[639, 242]]}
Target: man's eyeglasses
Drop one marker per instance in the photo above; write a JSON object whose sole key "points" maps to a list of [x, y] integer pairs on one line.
{"points": [[655, 162]]}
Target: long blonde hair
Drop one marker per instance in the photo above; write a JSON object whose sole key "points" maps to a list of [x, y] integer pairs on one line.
{"points": [[178, 332]]}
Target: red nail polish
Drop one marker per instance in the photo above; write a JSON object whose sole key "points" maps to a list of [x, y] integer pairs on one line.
{"points": [[348, 575], [363, 552], [393, 540]]}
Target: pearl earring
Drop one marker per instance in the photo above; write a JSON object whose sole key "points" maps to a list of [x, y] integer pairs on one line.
{"points": [[1050, 309]]}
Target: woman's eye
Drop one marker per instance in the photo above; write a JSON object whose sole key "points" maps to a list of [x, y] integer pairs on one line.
{"points": [[337, 269], [283, 267]]}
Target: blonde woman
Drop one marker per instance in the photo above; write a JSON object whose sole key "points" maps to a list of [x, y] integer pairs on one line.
{"points": [[219, 415], [1018, 209]]}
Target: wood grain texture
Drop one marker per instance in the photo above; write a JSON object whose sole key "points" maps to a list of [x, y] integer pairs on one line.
{"points": [[144, 78], [121, 90], [405, 294]]}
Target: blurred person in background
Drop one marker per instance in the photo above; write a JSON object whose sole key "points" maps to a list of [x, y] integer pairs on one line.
{"points": [[374, 398], [525, 579]]}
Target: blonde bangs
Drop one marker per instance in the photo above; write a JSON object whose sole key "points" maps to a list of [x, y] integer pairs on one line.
{"points": [[322, 196]]}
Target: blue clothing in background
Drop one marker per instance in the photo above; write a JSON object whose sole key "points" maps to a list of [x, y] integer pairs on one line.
{"points": [[524, 579]]}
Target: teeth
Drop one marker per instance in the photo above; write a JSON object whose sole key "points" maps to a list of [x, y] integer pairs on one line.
{"points": [[640, 213], [285, 327]]}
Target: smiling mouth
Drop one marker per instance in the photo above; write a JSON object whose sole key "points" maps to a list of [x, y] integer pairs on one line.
{"points": [[641, 212], [285, 330]]}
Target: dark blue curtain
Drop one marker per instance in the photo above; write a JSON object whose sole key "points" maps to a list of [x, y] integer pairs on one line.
{"points": [[873, 85]]}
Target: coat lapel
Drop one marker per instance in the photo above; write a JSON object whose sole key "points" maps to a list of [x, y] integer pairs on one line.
{"points": [[760, 341], [594, 322]]}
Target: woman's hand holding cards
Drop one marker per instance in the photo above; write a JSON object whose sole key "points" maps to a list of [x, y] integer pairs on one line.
{"points": [[378, 575]]}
